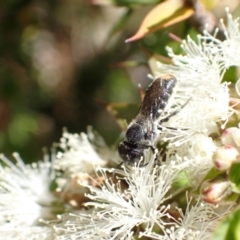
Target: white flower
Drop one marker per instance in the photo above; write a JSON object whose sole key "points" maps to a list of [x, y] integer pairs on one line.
{"points": [[196, 157], [26, 233], [197, 222], [117, 211], [24, 198], [76, 154], [227, 51], [200, 73]]}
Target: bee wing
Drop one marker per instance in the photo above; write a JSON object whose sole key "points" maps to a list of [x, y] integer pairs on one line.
{"points": [[157, 96], [150, 130], [150, 121]]}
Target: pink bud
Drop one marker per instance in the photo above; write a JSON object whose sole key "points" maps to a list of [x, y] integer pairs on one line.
{"points": [[227, 138], [213, 192], [225, 156]]}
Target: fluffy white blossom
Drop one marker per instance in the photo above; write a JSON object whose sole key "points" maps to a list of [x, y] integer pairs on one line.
{"points": [[196, 156], [144, 208], [76, 154], [227, 52], [200, 73], [25, 198], [197, 222], [144, 201], [26, 233]]}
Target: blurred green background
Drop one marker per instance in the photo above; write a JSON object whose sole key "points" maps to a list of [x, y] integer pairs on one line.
{"points": [[60, 62]]}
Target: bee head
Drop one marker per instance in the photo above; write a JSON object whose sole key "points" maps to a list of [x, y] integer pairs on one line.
{"points": [[130, 153]]}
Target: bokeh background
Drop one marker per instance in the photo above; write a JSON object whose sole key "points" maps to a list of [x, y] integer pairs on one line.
{"points": [[66, 64]]}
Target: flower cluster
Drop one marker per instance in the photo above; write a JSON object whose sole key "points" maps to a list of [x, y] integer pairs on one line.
{"points": [[226, 155], [25, 199], [76, 194], [32, 194]]}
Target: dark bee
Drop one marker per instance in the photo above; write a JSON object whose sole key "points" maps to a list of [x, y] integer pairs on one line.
{"points": [[142, 132]]}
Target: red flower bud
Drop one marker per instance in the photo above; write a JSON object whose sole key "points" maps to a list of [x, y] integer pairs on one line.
{"points": [[225, 156], [213, 192]]}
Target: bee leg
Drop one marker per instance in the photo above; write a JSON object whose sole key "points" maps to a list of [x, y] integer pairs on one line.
{"points": [[172, 128], [174, 112], [152, 148], [143, 165], [156, 160], [118, 167], [169, 116], [161, 157]]}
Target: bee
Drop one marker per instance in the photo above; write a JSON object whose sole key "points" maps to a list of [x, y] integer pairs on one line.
{"points": [[143, 130]]}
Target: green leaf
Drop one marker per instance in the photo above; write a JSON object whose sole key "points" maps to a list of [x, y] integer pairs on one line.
{"points": [[229, 228], [234, 176], [233, 197], [181, 180], [212, 173], [21, 127]]}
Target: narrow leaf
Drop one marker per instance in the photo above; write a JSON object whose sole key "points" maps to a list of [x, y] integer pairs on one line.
{"points": [[212, 173], [163, 15], [234, 177], [229, 228]]}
